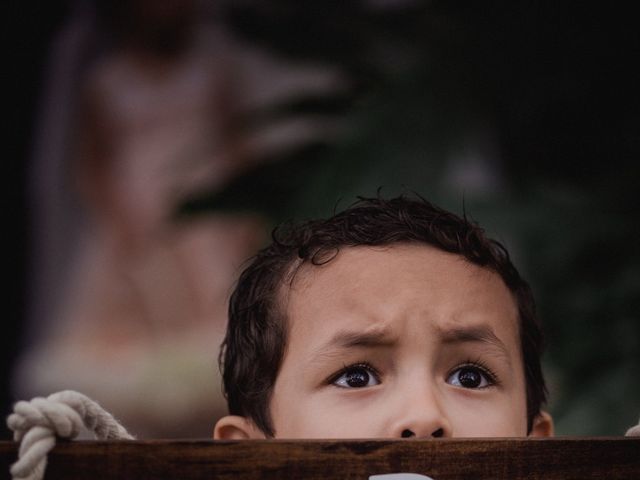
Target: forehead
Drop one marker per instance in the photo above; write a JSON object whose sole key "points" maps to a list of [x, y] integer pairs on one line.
{"points": [[395, 288]]}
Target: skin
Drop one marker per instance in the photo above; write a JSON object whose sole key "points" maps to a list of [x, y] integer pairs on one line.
{"points": [[406, 340]]}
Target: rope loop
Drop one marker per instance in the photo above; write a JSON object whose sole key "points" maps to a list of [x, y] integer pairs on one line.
{"points": [[37, 423]]}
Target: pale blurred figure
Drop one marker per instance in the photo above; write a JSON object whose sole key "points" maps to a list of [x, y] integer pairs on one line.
{"points": [[140, 307]]}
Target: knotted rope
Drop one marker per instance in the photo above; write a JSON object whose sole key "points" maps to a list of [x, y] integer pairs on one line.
{"points": [[37, 423]]}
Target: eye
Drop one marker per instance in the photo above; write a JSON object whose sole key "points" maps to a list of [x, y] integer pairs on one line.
{"points": [[356, 376], [471, 376]]}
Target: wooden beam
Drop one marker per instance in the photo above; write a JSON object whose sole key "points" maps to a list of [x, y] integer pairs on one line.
{"points": [[549, 459]]}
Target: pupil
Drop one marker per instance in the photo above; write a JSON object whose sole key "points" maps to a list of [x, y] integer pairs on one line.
{"points": [[358, 378], [469, 378]]}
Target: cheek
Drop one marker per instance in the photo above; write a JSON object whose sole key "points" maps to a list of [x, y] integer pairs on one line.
{"points": [[491, 416], [297, 414], [324, 416]]}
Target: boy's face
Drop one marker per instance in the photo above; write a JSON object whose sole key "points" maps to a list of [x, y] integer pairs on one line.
{"points": [[400, 339], [384, 342]]}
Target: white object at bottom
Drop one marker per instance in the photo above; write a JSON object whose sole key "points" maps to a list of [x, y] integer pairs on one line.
{"points": [[399, 476]]}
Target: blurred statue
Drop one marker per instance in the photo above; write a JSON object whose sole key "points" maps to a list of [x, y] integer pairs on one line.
{"points": [[142, 307]]}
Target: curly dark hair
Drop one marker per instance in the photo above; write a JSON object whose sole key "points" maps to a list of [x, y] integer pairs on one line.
{"points": [[254, 346]]}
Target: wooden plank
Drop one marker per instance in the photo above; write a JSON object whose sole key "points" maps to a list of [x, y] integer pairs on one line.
{"points": [[558, 458]]}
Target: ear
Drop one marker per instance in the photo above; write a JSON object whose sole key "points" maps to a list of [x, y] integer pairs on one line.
{"points": [[542, 425], [234, 427]]}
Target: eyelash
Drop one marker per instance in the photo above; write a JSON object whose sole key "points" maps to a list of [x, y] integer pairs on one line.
{"points": [[477, 363], [480, 365], [489, 374], [365, 365]]}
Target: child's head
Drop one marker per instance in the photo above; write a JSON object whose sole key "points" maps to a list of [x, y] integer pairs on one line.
{"points": [[393, 318]]}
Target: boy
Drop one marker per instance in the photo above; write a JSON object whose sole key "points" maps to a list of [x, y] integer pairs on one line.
{"points": [[391, 319]]}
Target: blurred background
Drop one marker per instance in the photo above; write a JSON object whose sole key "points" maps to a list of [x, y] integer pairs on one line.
{"points": [[155, 144]]}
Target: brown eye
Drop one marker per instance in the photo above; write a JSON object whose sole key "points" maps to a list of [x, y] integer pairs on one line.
{"points": [[356, 376], [469, 377]]}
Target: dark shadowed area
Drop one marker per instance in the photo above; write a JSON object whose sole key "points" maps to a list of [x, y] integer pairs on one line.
{"points": [[523, 115]]}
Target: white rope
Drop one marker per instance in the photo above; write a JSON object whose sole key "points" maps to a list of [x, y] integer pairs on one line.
{"points": [[37, 423], [634, 431]]}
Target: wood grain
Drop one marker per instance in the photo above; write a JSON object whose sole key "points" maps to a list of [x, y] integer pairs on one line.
{"points": [[558, 458]]}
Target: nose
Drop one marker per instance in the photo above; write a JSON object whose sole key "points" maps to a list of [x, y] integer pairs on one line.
{"points": [[421, 416]]}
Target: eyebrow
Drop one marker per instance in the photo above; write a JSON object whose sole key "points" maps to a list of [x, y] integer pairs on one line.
{"points": [[346, 339], [474, 334], [374, 338]]}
